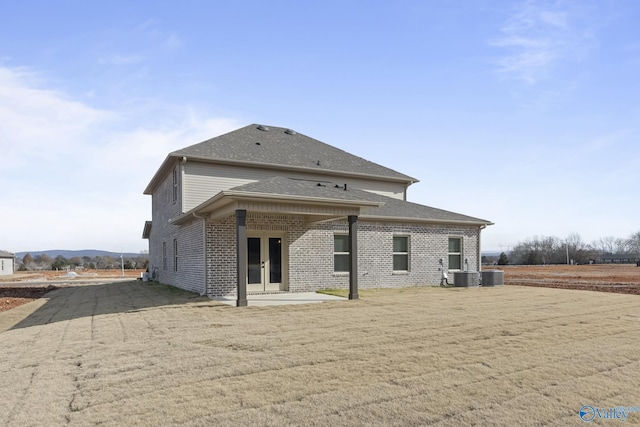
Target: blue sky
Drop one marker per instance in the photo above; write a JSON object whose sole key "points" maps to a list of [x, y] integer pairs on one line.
{"points": [[524, 113]]}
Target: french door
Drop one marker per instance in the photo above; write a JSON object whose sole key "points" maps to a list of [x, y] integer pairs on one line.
{"points": [[266, 263]]}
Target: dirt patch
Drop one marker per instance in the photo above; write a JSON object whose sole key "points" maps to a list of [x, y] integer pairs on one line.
{"points": [[22, 276], [11, 297], [617, 278], [14, 296]]}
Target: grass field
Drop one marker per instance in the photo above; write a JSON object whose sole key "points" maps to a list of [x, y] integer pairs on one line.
{"points": [[134, 353]]}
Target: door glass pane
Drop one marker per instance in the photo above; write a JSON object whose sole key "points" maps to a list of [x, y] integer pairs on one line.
{"points": [[254, 273], [275, 260]]}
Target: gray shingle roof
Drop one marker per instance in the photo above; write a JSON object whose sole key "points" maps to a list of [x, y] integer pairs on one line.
{"points": [[270, 145], [392, 208]]}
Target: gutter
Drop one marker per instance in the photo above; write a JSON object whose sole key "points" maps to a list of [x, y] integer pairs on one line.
{"points": [[479, 223], [401, 178], [482, 227], [204, 251], [242, 195], [236, 195]]}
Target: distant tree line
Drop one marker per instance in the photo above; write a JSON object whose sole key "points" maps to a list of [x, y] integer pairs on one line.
{"points": [[45, 262], [553, 250]]}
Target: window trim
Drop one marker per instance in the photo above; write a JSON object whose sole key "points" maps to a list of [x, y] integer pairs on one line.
{"points": [[459, 254], [175, 185], [340, 272], [407, 253], [164, 256], [175, 255]]}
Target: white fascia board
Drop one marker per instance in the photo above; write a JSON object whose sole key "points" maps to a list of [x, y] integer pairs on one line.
{"points": [[409, 180], [425, 220], [225, 197], [244, 195]]}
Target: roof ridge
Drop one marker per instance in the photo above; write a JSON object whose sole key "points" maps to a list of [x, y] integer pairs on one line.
{"points": [[265, 144]]}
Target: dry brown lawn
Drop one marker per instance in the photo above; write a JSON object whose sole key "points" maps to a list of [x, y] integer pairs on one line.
{"points": [[134, 353]]}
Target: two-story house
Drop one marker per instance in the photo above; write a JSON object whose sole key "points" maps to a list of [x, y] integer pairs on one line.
{"points": [[267, 209]]}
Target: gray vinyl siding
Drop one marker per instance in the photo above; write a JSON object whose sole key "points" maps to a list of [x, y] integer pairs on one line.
{"points": [[163, 209], [203, 181], [191, 257]]}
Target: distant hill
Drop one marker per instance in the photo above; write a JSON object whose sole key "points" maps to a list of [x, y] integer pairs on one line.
{"points": [[491, 253], [83, 252]]}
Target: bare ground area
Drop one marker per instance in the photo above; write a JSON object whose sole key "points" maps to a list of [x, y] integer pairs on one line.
{"points": [[134, 353], [618, 278], [14, 296]]}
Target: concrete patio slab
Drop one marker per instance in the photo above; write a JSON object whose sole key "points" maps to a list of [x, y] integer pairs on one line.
{"points": [[263, 300]]}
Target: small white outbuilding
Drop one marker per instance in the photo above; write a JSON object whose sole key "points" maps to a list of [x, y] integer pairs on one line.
{"points": [[7, 260]]}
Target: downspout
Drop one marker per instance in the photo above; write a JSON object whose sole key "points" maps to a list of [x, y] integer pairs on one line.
{"points": [[204, 251], [482, 227]]}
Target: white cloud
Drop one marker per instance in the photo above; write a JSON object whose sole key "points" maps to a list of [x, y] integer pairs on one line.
{"points": [[38, 123], [72, 177], [537, 37]]}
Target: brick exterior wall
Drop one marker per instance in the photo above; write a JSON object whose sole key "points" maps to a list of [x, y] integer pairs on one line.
{"points": [[310, 252], [221, 257]]}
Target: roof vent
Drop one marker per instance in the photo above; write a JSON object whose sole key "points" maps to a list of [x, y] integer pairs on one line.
{"points": [[264, 128], [257, 143], [290, 132]]}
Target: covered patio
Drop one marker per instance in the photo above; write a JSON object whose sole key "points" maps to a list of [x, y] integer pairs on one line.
{"points": [[316, 201]]}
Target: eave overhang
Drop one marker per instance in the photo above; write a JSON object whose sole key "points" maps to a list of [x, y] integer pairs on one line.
{"points": [[173, 158], [316, 209], [466, 223], [146, 232]]}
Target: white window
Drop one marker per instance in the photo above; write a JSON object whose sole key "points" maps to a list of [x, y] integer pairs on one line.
{"points": [[340, 253], [455, 253], [175, 185], [175, 254], [400, 253]]}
